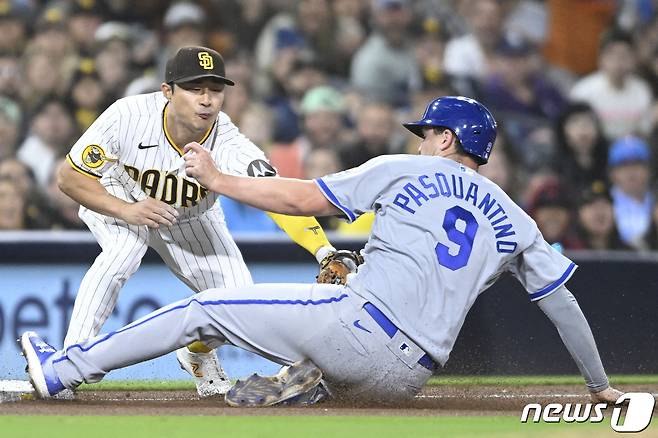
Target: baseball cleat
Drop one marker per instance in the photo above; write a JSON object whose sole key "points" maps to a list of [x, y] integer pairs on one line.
{"points": [[208, 375], [317, 394], [39, 365], [290, 382]]}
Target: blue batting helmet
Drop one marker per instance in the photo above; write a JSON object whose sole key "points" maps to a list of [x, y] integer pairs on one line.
{"points": [[473, 124]]}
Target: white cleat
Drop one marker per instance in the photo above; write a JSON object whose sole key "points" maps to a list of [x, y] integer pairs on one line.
{"points": [[209, 377]]}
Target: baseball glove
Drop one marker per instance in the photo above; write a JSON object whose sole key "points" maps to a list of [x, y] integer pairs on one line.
{"points": [[336, 265]]}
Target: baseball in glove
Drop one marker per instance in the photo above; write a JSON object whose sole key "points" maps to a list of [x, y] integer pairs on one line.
{"points": [[336, 265]]}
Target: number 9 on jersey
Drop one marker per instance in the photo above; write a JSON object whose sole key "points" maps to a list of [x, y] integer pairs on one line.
{"points": [[464, 239]]}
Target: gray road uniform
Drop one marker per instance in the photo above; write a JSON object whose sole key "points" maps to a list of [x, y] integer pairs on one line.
{"points": [[442, 235]]}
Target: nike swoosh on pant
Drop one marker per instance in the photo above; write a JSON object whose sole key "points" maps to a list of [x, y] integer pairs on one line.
{"points": [[358, 325]]}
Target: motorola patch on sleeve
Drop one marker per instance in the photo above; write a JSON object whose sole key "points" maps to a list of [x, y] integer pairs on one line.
{"points": [[260, 168]]}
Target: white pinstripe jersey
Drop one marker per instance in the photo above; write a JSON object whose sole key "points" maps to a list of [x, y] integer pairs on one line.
{"points": [[133, 131]]}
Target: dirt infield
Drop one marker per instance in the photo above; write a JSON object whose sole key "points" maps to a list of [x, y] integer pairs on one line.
{"points": [[434, 400]]}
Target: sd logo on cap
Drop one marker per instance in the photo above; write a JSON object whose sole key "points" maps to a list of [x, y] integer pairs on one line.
{"points": [[205, 61], [191, 63]]}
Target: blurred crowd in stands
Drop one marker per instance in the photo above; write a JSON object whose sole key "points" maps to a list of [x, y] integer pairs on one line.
{"points": [[322, 85]]}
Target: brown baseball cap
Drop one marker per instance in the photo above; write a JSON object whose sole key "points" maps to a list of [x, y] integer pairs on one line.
{"points": [[191, 63]]}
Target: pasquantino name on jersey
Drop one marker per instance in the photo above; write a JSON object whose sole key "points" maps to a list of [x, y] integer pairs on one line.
{"points": [[414, 196]]}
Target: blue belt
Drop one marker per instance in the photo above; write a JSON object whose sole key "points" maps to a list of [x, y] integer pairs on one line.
{"points": [[390, 329]]}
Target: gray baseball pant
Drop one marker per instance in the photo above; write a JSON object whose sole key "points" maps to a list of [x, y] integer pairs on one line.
{"points": [[281, 322]]}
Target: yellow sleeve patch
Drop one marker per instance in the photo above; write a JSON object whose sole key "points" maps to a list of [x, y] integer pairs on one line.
{"points": [[93, 156]]}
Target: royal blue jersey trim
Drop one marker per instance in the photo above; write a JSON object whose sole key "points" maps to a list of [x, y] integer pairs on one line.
{"points": [[557, 283], [332, 198], [205, 303]]}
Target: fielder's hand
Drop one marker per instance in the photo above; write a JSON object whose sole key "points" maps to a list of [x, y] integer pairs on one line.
{"points": [[150, 212], [200, 165], [336, 265], [608, 395]]}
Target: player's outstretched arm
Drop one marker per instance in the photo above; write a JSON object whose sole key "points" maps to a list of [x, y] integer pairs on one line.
{"points": [[564, 312], [278, 195], [90, 192], [303, 230], [306, 232]]}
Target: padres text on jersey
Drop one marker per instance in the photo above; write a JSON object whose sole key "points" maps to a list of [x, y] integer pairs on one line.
{"points": [[131, 137]]}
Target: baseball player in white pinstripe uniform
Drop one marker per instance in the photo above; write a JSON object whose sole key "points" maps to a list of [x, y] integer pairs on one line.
{"points": [[128, 173]]}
